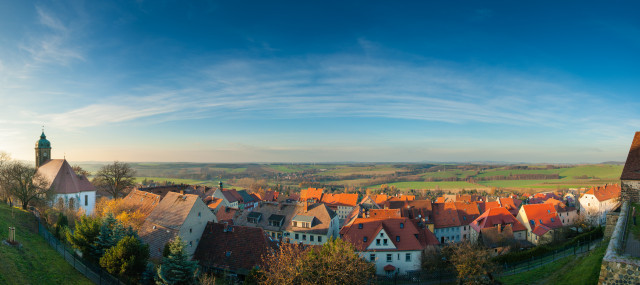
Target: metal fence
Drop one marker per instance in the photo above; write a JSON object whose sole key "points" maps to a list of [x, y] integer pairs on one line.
{"points": [[505, 269], [94, 273]]}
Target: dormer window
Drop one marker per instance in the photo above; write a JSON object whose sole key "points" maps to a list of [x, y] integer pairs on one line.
{"points": [[397, 238], [402, 225], [360, 226], [364, 239]]}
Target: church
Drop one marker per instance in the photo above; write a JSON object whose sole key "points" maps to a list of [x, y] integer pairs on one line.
{"points": [[71, 190]]}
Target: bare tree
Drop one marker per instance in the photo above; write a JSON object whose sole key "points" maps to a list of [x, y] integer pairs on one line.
{"points": [[80, 171], [5, 158], [24, 183], [115, 178]]}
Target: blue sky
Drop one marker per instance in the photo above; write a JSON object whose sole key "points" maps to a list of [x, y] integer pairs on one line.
{"points": [[302, 81]]}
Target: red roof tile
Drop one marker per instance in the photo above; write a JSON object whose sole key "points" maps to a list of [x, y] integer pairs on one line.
{"points": [[606, 192], [342, 199], [484, 206], [384, 213], [631, 170], [542, 214], [60, 176], [226, 214], [311, 193]]}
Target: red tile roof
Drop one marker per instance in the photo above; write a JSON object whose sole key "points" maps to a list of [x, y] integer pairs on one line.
{"points": [[311, 193], [445, 215], [384, 213], [226, 214], [496, 216], [213, 203], [380, 198], [235, 248], [141, 201], [606, 192], [410, 236], [631, 170], [511, 204], [342, 199], [467, 212], [542, 215], [484, 206], [402, 198]]}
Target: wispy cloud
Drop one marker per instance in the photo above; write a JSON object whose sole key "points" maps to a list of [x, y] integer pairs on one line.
{"points": [[336, 86]]}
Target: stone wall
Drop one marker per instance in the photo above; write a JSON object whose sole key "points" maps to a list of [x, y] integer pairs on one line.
{"points": [[612, 220], [630, 190], [617, 268]]}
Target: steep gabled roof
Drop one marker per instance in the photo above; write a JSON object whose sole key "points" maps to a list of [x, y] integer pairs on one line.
{"points": [[467, 212], [496, 216], [409, 235], [604, 193], [631, 170], [226, 214], [445, 215], [321, 222], [172, 210], [235, 248], [484, 206], [60, 176], [511, 204]]}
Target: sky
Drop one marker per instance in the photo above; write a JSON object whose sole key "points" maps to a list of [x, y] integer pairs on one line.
{"points": [[321, 81]]}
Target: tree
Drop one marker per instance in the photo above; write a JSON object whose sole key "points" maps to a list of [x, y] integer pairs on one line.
{"points": [[111, 232], [472, 263], [336, 262], [85, 235], [4, 161], [127, 214], [176, 268], [80, 171], [24, 183], [127, 259], [115, 178]]}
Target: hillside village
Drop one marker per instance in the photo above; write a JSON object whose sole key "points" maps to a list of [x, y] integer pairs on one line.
{"points": [[228, 232]]}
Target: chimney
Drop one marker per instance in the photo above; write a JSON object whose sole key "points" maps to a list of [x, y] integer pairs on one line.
{"points": [[499, 228], [220, 185], [181, 192], [306, 205]]}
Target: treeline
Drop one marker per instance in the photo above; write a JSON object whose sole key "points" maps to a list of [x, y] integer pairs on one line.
{"points": [[522, 176]]}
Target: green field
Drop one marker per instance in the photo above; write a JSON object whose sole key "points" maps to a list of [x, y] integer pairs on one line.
{"points": [[210, 183], [449, 173], [434, 185], [344, 170], [36, 262]]}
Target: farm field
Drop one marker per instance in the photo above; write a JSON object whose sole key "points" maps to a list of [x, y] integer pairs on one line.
{"points": [[362, 170], [433, 185], [210, 183], [35, 262]]}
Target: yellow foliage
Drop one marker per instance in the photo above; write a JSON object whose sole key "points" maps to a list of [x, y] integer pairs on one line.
{"points": [[124, 213]]}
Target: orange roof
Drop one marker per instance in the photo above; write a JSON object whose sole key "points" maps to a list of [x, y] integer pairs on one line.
{"points": [[606, 192], [445, 215], [542, 214], [511, 204], [631, 169], [384, 213], [467, 212], [403, 198], [496, 216], [215, 202], [380, 198], [485, 206], [440, 200], [311, 193], [342, 199]]}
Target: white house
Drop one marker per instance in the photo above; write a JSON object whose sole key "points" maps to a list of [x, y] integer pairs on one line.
{"points": [[312, 224], [394, 245], [598, 201], [542, 222]]}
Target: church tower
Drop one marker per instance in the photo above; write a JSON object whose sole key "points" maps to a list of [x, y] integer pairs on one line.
{"points": [[43, 150]]}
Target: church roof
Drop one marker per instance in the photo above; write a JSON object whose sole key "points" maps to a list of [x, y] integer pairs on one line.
{"points": [[61, 177]]}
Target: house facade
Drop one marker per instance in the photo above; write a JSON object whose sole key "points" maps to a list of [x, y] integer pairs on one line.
{"points": [[542, 222], [312, 224], [598, 201]]}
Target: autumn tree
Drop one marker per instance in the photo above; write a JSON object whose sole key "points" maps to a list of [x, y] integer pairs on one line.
{"points": [[22, 182], [471, 262], [115, 178], [124, 212], [336, 262]]}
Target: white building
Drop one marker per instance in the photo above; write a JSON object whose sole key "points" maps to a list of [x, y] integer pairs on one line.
{"points": [[394, 245], [598, 201], [312, 224]]}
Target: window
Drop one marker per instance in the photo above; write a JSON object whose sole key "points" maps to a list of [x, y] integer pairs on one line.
{"points": [[190, 243], [389, 257], [384, 242], [190, 230], [552, 220], [397, 238], [402, 225], [359, 226], [364, 239], [372, 257], [319, 238], [199, 215], [310, 237], [304, 237], [86, 200], [381, 234], [377, 241], [297, 236], [407, 257]]}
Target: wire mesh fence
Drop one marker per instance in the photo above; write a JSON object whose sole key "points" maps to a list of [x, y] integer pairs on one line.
{"points": [[94, 273]]}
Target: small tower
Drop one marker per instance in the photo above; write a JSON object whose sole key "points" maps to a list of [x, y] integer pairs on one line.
{"points": [[43, 150]]}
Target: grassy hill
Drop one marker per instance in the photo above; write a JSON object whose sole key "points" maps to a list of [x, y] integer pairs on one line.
{"points": [[36, 262]]}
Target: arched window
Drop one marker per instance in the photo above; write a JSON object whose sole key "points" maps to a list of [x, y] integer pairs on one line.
{"points": [[72, 204], [60, 203]]}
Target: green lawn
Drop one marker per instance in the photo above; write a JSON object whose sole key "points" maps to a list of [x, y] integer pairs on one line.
{"points": [[449, 173], [345, 170], [569, 270], [520, 171], [36, 262], [432, 185]]}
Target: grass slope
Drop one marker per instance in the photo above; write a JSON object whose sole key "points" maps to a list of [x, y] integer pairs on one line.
{"points": [[570, 270], [36, 262], [433, 185]]}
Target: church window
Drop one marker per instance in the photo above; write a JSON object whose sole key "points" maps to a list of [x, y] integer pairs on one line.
{"points": [[86, 200]]}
